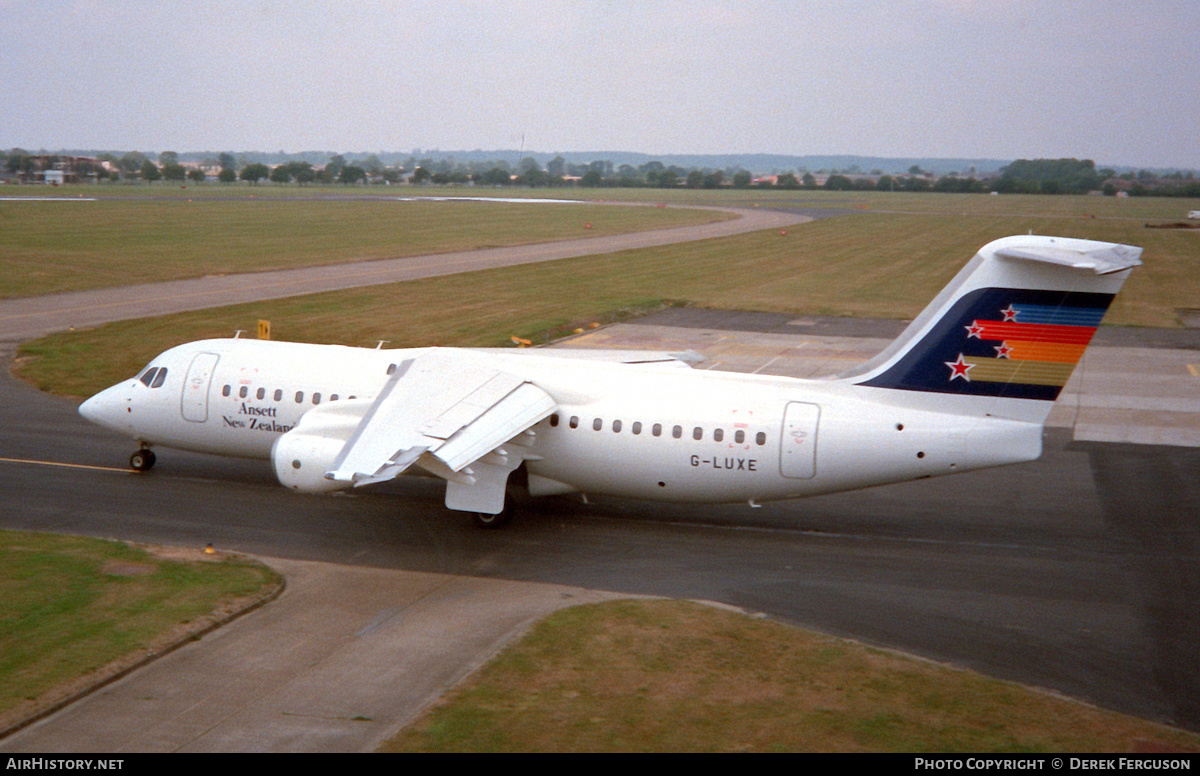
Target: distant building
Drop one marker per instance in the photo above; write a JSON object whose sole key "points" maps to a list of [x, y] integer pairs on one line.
{"points": [[56, 170]]}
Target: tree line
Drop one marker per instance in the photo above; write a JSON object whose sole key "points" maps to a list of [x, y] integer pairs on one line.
{"points": [[1024, 176], [1080, 176]]}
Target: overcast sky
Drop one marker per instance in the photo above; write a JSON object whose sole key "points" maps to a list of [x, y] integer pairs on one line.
{"points": [[1114, 81]]}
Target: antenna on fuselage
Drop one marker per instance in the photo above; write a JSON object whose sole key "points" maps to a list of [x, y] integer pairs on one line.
{"points": [[237, 334], [381, 344]]}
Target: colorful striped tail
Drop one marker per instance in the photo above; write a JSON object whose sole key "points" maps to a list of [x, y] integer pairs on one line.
{"points": [[1012, 325]]}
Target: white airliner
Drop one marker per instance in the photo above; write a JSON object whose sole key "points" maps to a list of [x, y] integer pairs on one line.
{"points": [[969, 384]]}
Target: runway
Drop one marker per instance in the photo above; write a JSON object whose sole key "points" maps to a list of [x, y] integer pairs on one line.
{"points": [[1077, 573]]}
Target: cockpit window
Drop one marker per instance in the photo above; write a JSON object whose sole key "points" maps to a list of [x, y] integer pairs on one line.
{"points": [[153, 377]]}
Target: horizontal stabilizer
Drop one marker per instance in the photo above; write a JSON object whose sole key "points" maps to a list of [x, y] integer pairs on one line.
{"points": [[1101, 258]]}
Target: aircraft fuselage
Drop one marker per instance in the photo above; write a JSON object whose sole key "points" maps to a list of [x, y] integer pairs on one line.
{"points": [[657, 431], [969, 384]]}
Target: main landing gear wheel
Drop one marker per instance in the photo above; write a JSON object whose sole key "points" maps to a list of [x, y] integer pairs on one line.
{"points": [[486, 521], [142, 460], [516, 493]]}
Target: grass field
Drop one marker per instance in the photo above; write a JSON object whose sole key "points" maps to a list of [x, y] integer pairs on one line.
{"points": [[679, 677], [71, 607], [48, 247], [886, 257]]}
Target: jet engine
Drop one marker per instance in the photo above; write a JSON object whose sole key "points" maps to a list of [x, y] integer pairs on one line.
{"points": [[302, 456]]}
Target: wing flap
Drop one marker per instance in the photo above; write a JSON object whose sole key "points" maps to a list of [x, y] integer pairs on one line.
{"points": [[470, 407], [522, 407], [448, 405]]}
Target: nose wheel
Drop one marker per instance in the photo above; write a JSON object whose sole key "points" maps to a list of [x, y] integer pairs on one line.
{"points": [[142, 460]]}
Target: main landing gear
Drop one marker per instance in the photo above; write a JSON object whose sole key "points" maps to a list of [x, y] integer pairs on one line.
{"points": [[142, 460], [516, 496]]}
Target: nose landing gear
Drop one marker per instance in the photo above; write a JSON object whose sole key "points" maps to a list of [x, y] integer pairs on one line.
{"points": [[142, 460]]}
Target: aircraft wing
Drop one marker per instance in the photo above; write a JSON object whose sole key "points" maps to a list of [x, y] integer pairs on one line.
{"points": [[683, 358], [446, 410]]}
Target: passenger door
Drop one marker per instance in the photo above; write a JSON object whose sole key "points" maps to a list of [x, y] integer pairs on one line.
{"points": [[798, 447], [195, 387]]}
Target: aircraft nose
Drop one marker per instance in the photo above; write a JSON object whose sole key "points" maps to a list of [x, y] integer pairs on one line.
{"points": [[105, 408]]}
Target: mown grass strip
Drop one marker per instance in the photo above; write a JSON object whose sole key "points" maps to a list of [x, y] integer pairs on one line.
{"points": [[46, 247], [71, 607], [672, 676]]}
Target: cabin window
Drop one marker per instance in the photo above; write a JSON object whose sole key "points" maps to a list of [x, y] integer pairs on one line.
{"points": [[656, 429], [554, 420], [261, 394], [697, 433], [299, 397], [597, 424], [739, 436], [391, 369], [677, 432], [316, 398], [159, 378], [637, 427], [718, 434], [278, 394], [574, 421], [226, 390], [242, 392], [333, 397], [616, 427], [761, 437]]}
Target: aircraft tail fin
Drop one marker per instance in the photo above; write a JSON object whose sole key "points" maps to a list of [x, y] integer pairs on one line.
{"points": [[1005, 335]]}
